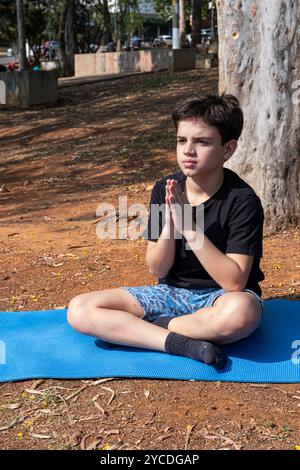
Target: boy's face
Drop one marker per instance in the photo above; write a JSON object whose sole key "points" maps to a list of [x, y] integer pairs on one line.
{"points": [[201, 143]]}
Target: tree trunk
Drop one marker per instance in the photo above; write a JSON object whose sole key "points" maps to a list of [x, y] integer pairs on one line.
{"points": [[21, 36], [62, 43], [107, 36], [181, 23], [196, 22], [118, 32], [67, 37], [259, 60], [70, 40]]}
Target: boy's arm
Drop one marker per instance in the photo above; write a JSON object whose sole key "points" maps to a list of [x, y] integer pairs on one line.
{"points": [[230, 271], [244, 240], [160, 256]]}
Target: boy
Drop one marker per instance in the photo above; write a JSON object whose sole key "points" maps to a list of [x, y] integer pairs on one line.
{"points": [[207, 294]]}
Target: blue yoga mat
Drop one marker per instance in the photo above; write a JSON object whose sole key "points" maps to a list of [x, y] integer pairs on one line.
{"points": [[41, 344]]}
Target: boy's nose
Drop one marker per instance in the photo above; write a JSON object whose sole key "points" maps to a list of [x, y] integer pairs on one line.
{"points": [[189, 149]]}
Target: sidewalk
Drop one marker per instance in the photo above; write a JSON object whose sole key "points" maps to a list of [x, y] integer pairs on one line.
{"points": [[75, 81]]}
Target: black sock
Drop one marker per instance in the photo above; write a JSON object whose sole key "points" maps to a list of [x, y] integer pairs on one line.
{"points": [[202, 351], [163, 321]]}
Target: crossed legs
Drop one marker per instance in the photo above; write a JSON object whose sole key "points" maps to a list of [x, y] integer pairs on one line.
{"points": [[114, 315]]}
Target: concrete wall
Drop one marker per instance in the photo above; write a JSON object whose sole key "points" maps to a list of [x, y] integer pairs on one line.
{"points": [[87, 65], [206, 61], [23, 89], [182, 59]]}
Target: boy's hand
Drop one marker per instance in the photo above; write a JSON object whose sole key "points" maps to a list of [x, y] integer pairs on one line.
{"points": [[176, 199], [169, 221]]}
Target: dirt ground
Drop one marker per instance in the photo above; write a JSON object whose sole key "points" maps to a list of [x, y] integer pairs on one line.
{"points": [[58, 163]]}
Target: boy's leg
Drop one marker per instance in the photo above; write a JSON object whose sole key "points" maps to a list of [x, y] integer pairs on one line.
{"points": [[233, 316], [115, 316], [88, 314]]}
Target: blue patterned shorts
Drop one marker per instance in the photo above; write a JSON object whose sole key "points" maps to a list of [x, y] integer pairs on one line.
{"points": [[162, 299]]}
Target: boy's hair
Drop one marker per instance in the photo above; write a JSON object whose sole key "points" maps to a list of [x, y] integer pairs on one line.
{"points": [[223, 112]]}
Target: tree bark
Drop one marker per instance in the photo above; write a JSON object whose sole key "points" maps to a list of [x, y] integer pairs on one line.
{"points": [[67, 37], [70, 40], [259, 60], [21, 36], [196, 22], [181, 23], [107, 36]]}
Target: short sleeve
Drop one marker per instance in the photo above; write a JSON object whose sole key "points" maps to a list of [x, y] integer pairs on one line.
{"points": [[245, 227], [156, 208]]}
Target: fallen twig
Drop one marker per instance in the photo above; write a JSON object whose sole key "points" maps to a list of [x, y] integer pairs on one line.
{"points": [[112, 394], [16, 421], [223, 438]]}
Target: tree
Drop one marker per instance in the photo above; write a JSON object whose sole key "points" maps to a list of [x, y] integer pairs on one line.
{"points": [[21, 36], [259, 62], [67, 37], [106, 19], [196, 22], [35, 17], [181, 23], [127, 20], [164, 9], [8, 25], [196, 9], [39, 19]]}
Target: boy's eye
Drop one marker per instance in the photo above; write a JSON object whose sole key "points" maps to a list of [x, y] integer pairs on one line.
{"points": [[203, 142]]}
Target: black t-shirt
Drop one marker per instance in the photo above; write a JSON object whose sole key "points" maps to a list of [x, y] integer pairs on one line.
{"points": [[233, 222]]}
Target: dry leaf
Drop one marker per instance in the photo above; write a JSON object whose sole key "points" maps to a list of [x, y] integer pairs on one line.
{"points": [[13, 406], [40, 436]]}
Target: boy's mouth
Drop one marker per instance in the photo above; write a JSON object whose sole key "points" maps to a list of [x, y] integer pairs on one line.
{"points": [[189, 163]]}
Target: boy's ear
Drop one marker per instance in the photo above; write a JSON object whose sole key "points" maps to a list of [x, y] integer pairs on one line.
{"points": [[230, 148]]}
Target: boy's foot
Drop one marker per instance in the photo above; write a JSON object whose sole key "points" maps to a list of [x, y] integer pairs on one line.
{"points": [[202, 351]]}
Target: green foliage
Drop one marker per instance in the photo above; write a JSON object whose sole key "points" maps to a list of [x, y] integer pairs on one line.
{"points": [[164, 8], [52, 19], [129, 18], [35, 14], [42, 20], [8, 22]]}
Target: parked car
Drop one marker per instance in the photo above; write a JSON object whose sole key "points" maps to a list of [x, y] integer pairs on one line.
{"points": [[126, 46], [93, 47], [111, 47], [135, 42], [147, 41], [206, 35], [167, 39], [163, 40]]}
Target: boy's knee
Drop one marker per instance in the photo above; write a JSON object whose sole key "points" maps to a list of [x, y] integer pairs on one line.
{"points": [[78, 312], [237, 318], [236, 325]]}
